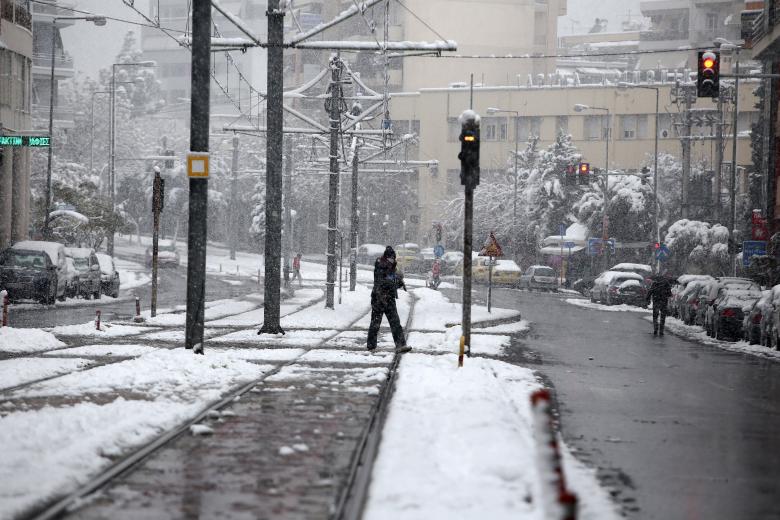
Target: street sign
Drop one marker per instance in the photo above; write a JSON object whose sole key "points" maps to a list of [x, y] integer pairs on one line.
{"points": [[752, 248], [33, 141], [597, 245], [491, 247], [569, 245], [438, 251], [663, 253], [561, 230], [198, 165]]}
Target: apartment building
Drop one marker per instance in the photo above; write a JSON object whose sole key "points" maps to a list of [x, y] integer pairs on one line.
{"points": [[542, 112], [45, 36], [16, 55]]}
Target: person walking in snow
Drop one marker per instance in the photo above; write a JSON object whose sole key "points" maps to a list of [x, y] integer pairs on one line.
{"points": [[387, 280], [297, 270], [659, 293]]}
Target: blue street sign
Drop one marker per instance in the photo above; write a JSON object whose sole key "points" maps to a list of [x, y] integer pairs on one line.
{"points": [[562, 230], [438, 251], [752, 248], [663, 253], [595, 246], [569, 244]]}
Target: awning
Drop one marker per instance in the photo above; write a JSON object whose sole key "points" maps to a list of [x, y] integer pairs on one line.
{"points": [[556, 250]]}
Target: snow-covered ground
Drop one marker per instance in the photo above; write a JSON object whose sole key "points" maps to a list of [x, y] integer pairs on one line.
{"points": [[579, 302], [476, 443]]}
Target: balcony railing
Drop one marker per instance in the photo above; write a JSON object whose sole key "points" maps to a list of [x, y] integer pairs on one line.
{"points": [[16, 13], [60, 62]]}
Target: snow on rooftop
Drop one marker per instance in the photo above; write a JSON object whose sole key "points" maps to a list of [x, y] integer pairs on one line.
{"points": [[51, 248]]}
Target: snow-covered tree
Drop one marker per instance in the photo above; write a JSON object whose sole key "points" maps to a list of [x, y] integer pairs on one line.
{"points": [[698, 246]]}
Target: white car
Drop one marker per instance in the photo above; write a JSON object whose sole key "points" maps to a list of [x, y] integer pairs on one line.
{"points": [[109, 276], [166, 254]]}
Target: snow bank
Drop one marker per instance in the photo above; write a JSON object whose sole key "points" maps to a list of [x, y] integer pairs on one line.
{"points": [[104, 351], [449, 341], [434, 312], [107, 330], [27, 340], [19, 371], [579, 302]]}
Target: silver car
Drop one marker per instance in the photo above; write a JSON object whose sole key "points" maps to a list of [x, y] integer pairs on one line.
{"points": [[539, 277]]}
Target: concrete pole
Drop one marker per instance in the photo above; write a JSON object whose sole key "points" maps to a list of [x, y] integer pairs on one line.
{"points": [[6, 194], [354, 222], [733, 187], [273, 175], [233, 222], [686, 152], [111, 155], [333, 185], [48, 196], [199, 187], [718, 161], [288, 231]]}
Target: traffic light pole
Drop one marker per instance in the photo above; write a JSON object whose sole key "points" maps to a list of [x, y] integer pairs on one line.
{"points": [[233, 196], [333, 184], [199, 187], [157, 196], [355, 223], [733, 187], [468, 231]]}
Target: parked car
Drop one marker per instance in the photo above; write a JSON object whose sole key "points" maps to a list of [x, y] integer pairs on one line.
{"points": [[406, 255], [678, 289], [539, 277], [754, 321], [506, 272], [584, 285], [727, 313], [626, 267], [770, 321], [689, 300], [88, 269], [710, 293], [166, 254], [30, 270], [109, 276], [368, 253], [615, 287], [71, 278]]}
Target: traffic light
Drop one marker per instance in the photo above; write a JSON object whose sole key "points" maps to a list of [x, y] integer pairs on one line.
{"points": [[469, 149], [169, 163], [583, 173], [570, 176], [645, 175], [708, 76]]}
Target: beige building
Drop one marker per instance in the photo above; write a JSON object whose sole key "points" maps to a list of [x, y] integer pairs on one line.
{"points": [[16, 51], [544, 110]]}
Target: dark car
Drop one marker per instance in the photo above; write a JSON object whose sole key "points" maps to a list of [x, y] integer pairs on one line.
{"points": [[166, 254], [729, 310], [28, 274], [756, 320], [88, 269], [615, 287]]}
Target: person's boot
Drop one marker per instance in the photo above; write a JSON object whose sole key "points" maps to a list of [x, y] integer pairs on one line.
{"points": [[661, 333], [400, 349], [655, 329], [371, 348]]}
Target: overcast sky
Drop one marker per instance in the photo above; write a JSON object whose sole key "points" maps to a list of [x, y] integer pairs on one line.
{"points": [[94, 48], [582, 14]]}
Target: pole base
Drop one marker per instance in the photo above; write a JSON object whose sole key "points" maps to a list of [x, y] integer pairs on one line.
{"points": [[268, 329]]}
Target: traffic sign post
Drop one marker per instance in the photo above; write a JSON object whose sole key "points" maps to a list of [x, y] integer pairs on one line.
{"points": [[596, 246], [663, 253], [752, 248], [492, 250], [438, 251]]}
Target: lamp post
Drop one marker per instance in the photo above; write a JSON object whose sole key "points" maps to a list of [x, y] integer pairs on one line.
{"points": [[493, 110], [92, 129], [112, 141], [604, 223], [99, 21], [656, 230]]}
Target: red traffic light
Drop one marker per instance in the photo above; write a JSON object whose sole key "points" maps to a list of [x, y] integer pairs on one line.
{"points": [[657, 245], [584, 168]]}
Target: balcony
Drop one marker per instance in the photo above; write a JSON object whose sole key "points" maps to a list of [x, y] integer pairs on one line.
{"points": [[63, 65], [16, 13], [44, 12], [659, 35]]}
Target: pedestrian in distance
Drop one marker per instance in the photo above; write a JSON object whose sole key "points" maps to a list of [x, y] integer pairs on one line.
{"points": [[297, 270], [387, 280], [659, 293], [435, 278]]}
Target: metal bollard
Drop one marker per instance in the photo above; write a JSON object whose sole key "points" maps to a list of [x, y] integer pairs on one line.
{"points": [[97, 320], [138, 318], [560, 503], [4, 298]]}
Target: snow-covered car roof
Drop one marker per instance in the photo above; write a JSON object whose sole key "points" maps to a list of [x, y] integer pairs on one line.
{"points": [[106, 263], [50, 248], [612, 276], [629, 267], [685, 279], [630, 282], [507, 265], [372, 248], [79, 252]]}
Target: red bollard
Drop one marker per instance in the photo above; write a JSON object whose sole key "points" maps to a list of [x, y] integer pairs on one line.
{"points": [[138, 318], [4, 296], [97, 320]]}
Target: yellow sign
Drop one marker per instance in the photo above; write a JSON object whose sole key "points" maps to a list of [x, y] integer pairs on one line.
{"points": [[198, 165]]}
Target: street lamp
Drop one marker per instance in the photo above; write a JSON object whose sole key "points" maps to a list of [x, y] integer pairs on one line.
{"points": [[624, 85], [583, 108], [112, 141], [493, 110], [99, 21]]}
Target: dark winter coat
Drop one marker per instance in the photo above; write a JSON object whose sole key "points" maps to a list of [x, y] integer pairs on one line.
{"points": [[660, 292], [386, 279]]}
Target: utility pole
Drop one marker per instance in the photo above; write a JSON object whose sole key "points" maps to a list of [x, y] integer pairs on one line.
{"points": [[197, 169], [287, 186], [158, 200], [718, 159], [733, 187], [273, 176], [233, 222], [686, 151], [469, 178], [333, 108], [355, 221]]}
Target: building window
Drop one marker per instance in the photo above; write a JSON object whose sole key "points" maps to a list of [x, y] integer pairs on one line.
{"points": [[596, 128], [665, 126], [491, 128], [502, 131], [711, 22], [561, 125], [526, 127]]}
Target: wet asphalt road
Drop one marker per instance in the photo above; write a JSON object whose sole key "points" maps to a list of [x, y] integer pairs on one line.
{"points": [[679, 430], [172, 291]]}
